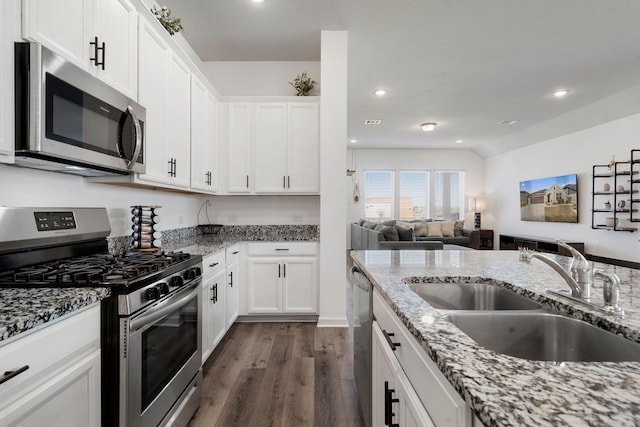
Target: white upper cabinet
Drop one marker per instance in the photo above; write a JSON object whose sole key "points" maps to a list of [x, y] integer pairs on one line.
{"points": [[164, 89], [270, 148], [303, 135], [204, 138], [239, 129], [99, 36]]}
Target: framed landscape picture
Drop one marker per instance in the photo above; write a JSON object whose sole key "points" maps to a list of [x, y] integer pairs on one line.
{"points": [[553, 199]]}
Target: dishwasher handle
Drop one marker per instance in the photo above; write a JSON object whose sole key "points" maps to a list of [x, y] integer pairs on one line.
{"points": [[359, 279]]}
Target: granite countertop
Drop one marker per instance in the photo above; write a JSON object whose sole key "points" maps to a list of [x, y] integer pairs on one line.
{"points": [[22, 309], [504, 390]]}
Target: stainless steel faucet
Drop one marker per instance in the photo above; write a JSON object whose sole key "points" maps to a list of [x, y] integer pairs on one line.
{"points": [[610, 291], [580, 278]]}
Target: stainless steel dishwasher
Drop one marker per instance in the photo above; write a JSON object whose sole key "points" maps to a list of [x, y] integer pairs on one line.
{"points": [[362, 320]]}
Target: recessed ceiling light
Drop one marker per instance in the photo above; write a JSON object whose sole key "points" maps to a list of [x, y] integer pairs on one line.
{"points": [[257, 1], [380, 92], [353, 141], [509, 122], [428, 127], [561, 93], [372, 122], [458, 141]]}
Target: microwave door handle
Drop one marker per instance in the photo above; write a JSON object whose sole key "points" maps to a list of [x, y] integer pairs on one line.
{"points": [[138, 130]]}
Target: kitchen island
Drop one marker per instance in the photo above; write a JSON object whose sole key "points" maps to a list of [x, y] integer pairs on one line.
{"points": [[502, 390]]}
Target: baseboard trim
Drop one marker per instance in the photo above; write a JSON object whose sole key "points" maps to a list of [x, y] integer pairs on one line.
{"points": [[278, 318], [332, 322]]}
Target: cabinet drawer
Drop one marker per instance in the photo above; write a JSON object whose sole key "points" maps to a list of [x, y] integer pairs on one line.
{"points": [[282, 249], [442, 402], [48, 349], [233, 253], [212, 263]]}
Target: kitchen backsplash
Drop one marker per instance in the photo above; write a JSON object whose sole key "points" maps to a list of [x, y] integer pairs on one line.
{"points": [[228, 232]]}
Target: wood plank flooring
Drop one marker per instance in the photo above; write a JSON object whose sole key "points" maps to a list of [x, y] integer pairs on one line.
{"points": [[280, 374]]}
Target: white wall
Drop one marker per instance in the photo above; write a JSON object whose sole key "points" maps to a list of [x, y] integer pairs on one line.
{"points": [[263, 210], [31, 187], [259, 78], [573, 153], [459, 160]]}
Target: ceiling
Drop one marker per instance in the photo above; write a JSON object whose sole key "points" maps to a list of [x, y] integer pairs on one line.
{"points": [[465, 64]]}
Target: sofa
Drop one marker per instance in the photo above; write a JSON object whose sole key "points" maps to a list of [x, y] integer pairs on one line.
{"points": [[422, 234]]}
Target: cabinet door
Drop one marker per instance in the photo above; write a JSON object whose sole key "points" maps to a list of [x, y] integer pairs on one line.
{"points": [[64, 26], [239, 148], [204, 141], [70, 398], [302, 148], [411, 411], [232, 293], [264, 285], [384, 370], [151, 89], [300, 284], [116, 24], [217, 298], [179, 120], [270, 143]]}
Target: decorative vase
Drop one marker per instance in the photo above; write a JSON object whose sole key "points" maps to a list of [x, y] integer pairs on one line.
{"points": [[607, 205], [607, 187]]}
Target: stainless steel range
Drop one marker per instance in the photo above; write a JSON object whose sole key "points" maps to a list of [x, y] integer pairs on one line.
{"points": [[151, 349]]}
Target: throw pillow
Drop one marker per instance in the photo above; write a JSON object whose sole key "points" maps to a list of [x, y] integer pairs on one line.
{"points": [[457, 231], [404, 234], [389, 233], [448, 228], [403, 224], [361, 221], [369, 224], [434, 229], [390, 222], [420, 229]]}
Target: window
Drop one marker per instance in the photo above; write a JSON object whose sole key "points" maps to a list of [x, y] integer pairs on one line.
{"points": [[408, 195], [413, 195], [378, 200]]}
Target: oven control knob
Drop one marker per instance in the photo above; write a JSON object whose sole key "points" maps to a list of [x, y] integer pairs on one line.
{"points": [[164, 288], [176, 281], [153, 293], [192, 273]]}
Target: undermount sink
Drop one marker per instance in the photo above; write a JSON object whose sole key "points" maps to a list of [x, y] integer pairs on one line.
{"points": [[545, 336], [471, 296]]}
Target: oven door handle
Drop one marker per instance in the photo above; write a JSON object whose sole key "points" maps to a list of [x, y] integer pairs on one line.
{"points": [[165, 307]]}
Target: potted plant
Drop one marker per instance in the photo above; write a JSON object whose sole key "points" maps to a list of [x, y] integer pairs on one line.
{"points": [[172, 25], [303, 84]]}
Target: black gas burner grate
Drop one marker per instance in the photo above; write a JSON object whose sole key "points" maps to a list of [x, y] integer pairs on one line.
{"points": [[94, 270]]}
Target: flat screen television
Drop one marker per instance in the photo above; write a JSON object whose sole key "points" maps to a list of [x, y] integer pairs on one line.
{"points": [[553, 199]]}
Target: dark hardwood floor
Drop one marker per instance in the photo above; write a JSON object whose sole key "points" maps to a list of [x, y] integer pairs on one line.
{"points": [[280, 374]]}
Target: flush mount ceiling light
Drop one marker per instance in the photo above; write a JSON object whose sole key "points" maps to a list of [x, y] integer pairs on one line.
{"points": [[561, 93], [353, 141], [372, 122], [458, 141], [380, 92], [257, 1], [428, 127]]}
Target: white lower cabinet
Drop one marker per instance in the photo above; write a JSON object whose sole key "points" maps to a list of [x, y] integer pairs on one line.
{"points": [[282, 278], [233, 284], [214, 288], [395, 402], [61, 384], [424, 396]]}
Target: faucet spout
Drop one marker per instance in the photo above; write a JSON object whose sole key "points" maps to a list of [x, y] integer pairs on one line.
{"points": [[576, 289]]}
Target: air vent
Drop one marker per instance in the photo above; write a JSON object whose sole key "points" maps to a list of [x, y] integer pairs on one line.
{"points": [[372, 122]]}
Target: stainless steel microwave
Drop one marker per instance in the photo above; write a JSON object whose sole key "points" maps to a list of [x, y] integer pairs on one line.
{"points": [[69, 121]]}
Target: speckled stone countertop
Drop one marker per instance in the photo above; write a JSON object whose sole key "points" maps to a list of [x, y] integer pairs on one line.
{"points": [[22, 309], [504, 390]]}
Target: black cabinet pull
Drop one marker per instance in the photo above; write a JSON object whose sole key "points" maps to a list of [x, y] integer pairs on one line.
{"points": [[288, 181], [11, 374], [97, 48], [282, 249], [284, 270], [279, 275], [284, 181], [214, 291], [213, 265], [388, 408], [175, 168], [247, 181], [170, 162], [234, 253], [231, 276], [387, 336]]}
